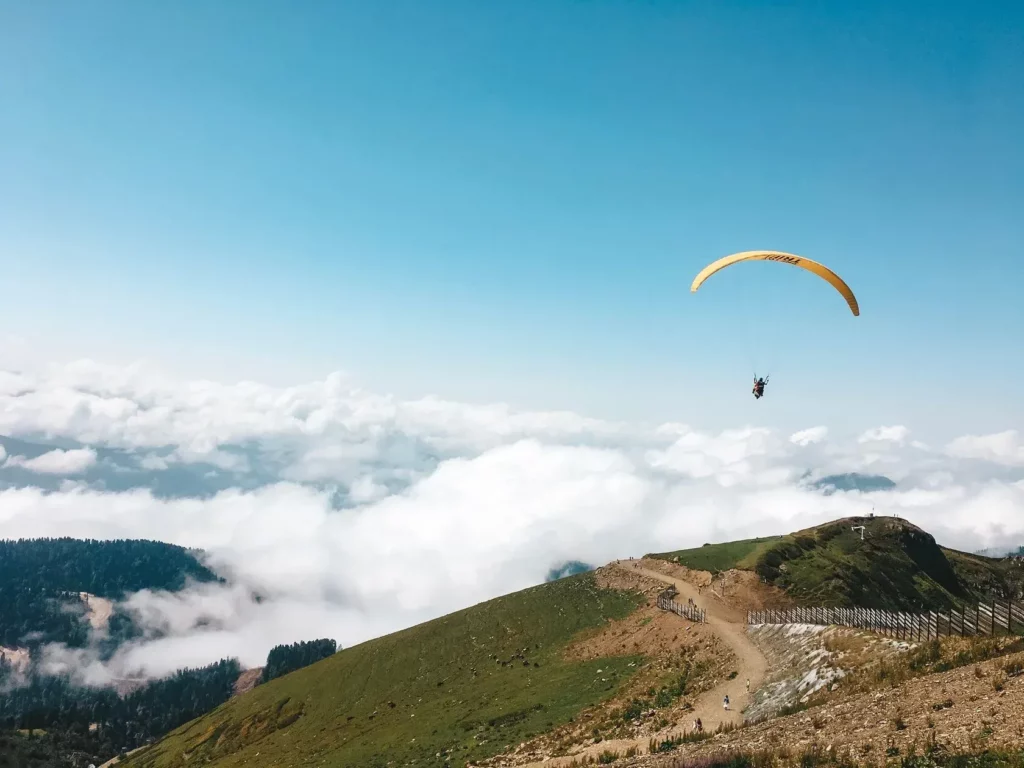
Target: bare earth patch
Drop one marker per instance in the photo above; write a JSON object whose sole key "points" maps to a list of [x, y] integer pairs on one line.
{"points": [[18, 658], [99, 611], [247, 680], [806, 659]]}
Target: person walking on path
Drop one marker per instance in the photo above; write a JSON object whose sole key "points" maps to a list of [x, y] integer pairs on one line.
{"points": [[748, 685], [725, 702]]}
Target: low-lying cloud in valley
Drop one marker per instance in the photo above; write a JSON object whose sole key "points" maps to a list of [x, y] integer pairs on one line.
{"points": [[353, 514]]}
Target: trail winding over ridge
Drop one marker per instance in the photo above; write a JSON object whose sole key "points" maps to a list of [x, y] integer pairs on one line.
{"points": [[729, 624]]}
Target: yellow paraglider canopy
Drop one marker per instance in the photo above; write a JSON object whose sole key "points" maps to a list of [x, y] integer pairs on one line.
{"points": [[786, 258]]}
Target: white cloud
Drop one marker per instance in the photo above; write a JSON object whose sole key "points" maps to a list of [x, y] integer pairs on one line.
{"points": [[445, 504], [57, 461], [809, 436], [153, 462], [1003, 448], [895, 434], [364, 489]]}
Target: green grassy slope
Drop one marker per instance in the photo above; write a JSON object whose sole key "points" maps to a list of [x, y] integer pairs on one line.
{"points": [[721, 557], [897, 566], [438, 688], [995, 577]]}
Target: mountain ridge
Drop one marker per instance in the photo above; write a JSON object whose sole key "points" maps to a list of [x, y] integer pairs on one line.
{"points": [[477, 707]]}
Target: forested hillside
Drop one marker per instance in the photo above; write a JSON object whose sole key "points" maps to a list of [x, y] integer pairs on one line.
{"points": [[99, 722], [48, 719], [40, 580], [283, 659]]}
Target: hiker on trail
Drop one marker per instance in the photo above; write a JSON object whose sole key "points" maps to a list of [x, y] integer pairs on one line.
{"points": [[725, 702], [700, 726], [748, 685]]}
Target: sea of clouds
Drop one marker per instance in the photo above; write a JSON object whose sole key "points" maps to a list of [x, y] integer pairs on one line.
{"points": [[354, 514]]}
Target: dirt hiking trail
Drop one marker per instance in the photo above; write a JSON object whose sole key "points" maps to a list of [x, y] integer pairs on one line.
{"points": [[729, 624]]}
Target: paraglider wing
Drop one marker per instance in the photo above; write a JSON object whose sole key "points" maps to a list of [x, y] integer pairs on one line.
{"points": [[786, 258]]}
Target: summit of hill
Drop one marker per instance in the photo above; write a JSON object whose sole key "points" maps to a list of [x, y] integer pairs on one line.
{"points": [[868, 562]]}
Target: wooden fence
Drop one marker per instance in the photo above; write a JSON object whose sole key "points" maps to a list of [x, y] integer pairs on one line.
{"points": [[992, 618], [687, 611]]}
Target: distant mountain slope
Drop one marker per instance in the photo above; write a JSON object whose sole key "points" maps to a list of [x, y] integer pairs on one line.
{"points": [[464, 686], [1004, 551], [571, 568], [40, 580], [117, 469], [853, 481]]}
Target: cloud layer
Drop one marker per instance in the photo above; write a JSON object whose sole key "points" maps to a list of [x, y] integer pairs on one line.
{"points": [[355, 514]]}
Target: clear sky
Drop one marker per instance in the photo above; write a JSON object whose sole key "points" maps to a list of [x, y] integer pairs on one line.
{"points": [[508, 200]]}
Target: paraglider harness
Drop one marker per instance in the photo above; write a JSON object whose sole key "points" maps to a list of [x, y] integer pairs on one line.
{"points": [[759, 386]]}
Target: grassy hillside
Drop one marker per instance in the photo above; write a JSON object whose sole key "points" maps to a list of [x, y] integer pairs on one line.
{"points": [[721, 557], [896, 566], [460, 688]]}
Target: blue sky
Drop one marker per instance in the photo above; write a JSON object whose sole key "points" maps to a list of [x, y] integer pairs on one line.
{"points": [[508, 200]]}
